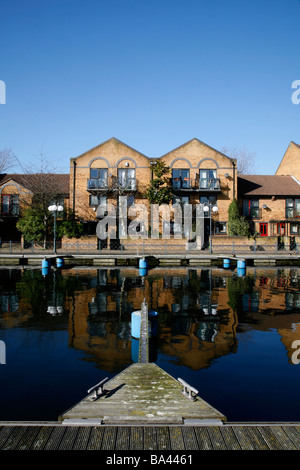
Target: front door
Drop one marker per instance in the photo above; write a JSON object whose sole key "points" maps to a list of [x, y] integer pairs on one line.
{"points": [[263, 229]]}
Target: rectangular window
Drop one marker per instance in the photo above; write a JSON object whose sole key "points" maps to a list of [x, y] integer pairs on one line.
{"points": [[208, 179], [126, 178], [220, 228], [251, 208], [181, 178], [98, 178], [292, 208], [10, 204], [263, 229], [181, 200], [294, 229], [97, 200]]}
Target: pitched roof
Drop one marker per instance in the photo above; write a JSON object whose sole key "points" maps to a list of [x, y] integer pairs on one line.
{"points": [[112, 139], [57, 182], [268, 185], [195, 139]]}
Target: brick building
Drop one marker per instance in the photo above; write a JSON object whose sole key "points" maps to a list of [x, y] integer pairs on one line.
{"points": [[17, 192], [198, 174], [272, 203]]}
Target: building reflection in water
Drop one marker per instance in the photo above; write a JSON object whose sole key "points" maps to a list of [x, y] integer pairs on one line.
{"points": [[202, 312]]}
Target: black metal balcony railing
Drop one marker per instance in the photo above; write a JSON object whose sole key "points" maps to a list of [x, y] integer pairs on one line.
{"points": [[94, 183], [115, 185], [207, 184]]}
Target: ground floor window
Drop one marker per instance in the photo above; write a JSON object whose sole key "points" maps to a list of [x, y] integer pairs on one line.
{"points": [[294, 229], [220, 228], [263, 229]]}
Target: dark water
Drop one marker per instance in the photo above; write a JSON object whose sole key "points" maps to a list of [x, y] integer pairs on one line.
{"points": [[230, 337]]}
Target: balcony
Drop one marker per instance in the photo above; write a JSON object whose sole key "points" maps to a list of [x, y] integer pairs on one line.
{"points": [[191, 184], [97, 184]]}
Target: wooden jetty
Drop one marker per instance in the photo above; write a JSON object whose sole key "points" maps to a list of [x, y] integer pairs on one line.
{"points": [[54, 436], [142, 394]]}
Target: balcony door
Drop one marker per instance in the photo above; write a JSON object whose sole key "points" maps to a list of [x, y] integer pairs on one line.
{"points": [[126, 178], [180, 178], [207, 178]]}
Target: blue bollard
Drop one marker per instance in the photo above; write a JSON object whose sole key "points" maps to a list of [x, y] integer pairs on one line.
{"points": [[226, 263], [45, 271], [59, 262], [241, 272], [241, 264], [45, 263], [136, 323]]}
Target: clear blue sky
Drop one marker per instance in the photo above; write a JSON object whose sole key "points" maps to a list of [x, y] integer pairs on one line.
{"points": [[152, 73]]}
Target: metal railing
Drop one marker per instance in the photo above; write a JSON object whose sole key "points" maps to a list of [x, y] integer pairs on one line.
{"points": [[145, 247], [204, 184]]}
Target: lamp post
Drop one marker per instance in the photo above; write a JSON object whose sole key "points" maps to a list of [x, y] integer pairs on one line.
{"points": [[209, 208], [54, 208]]}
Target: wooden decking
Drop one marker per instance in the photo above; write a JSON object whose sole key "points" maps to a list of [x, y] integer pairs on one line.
{"points": [[154, 438], [142, 394]]}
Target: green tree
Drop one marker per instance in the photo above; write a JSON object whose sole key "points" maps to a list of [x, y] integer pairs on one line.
{"points": [[69, 225], [159, 191], [237, 224], [32, 225]]}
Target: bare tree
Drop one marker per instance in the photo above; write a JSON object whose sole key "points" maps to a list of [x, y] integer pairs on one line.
{"points": [[245, 159], [7, 160]]}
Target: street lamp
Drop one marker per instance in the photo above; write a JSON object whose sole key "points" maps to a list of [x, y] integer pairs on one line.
{"points": [[54, 208], [209, 208]]}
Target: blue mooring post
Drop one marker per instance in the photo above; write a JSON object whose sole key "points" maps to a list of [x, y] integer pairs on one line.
{"points": [[241, 267], [59, 262], [143, 267], [45, 266], [226, 263]]}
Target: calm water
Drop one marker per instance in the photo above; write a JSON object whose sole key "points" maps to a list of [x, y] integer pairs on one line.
{"points": [[230, 337]]}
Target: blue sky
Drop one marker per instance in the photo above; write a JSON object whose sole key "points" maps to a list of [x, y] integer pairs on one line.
{"points": [[151, 73]]}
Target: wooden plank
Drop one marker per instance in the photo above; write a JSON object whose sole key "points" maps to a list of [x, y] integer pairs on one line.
{"points": [[176, 438], [203, 438], [150, 438], [243, 438], [230, 439], [256, 438], [14, 438], [28, 438], [163, 438], [136, 438], [189, 438], [95, 440], [269, 438], [42, 438], [82, 438], [4, 434], [216, 438], [109, 438], [68, 438], [55, 438], [293, 434], [283, 438], [123, 438]]}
